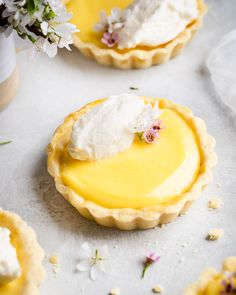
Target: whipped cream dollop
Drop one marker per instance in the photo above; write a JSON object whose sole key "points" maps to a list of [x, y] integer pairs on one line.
{"points": [[9, 264], [110, 127], [155, 22], [149, 22]]}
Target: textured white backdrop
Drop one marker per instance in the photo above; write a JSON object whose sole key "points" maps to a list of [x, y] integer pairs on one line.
{"points": [[50, 89]]}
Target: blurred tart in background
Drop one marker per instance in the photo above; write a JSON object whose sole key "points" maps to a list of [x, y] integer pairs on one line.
{"points": [[21, 270], [134, 34], [213, 282]]}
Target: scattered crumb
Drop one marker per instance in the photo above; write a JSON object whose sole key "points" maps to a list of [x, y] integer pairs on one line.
{"points": [[178, 252], [115, 246], [184, 245], [133, 88], [219, 185], [158, 289], [115, 291], [54, 259], [215, 203], [215, 234]]}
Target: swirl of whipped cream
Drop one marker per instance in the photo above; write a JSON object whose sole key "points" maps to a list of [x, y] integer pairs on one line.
{"points": [[110, 127], [149, 22], [156, 22], [9, 264]]}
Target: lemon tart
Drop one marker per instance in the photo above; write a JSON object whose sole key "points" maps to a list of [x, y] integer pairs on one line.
{"points": [[144, 41], [114, 172], [213, 282], [21, 257]]}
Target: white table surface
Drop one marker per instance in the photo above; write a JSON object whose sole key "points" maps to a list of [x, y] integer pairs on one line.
{"points": [[51, 89]]}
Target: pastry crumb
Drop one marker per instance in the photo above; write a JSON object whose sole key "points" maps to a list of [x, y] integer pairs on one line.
{"points": [[215, 234], [53, 259], [157, 290], [115, 291], [219, 185], [215, 203]]}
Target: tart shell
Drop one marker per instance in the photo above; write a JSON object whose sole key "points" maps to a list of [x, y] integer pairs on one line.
{"points": [[140, 58], [30, 253], [129, 219], [198, 287]]}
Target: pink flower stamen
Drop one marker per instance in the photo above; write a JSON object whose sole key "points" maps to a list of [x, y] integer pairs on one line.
{"points": [[157, 125], [151, 136], [110, 39]]}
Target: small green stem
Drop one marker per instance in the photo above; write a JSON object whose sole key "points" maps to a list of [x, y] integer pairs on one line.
{"points": [[144, 270], [5, 142]]}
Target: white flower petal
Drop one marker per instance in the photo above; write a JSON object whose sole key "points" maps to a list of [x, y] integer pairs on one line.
{"points": [[44, 27], [95, 271], [103, 252], [85, 251], [83, 265], [50, 49]]}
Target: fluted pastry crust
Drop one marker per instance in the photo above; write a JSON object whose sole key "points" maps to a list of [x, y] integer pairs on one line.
{"points": [[129, 219]]}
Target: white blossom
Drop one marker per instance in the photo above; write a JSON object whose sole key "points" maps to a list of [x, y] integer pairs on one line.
{"points": [[54, 29], [146, 118], [96, 263], [112, 23]]}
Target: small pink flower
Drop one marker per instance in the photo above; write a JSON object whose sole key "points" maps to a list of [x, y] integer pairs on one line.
{"points": [[110, 39], [156, 126], [151, 258], [150, 136]]}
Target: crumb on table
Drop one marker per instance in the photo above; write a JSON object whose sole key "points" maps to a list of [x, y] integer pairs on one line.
{"points": [[215, 203], [115, 291], [157, 290], [215, 234]]}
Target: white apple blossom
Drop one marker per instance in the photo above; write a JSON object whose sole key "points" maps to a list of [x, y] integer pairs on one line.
{"points": [[45, 23], [96, 263], [146, 118], [113, 22]]}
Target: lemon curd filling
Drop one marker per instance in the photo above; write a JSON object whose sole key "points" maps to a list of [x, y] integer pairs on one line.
{"points": [[143, 175], [86, 13]]}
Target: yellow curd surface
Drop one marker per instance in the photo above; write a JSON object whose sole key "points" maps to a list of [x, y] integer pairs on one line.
{"points": [[15, 287], [86, 13], [143, 175]]}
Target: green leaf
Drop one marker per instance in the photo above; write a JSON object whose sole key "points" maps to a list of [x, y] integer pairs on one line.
{"points": [[32, 6], [48, 13], [5, 142]]}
